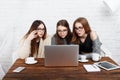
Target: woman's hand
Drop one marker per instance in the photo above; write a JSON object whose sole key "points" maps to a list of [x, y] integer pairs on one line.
{"points": [[33, 35]]}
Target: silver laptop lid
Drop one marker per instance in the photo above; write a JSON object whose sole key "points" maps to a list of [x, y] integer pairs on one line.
{"points": [[61, 55]]}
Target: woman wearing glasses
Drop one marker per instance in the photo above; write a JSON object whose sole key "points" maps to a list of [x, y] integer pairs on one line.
{"points": [[34, 40], [87, 39], [63, 33]]}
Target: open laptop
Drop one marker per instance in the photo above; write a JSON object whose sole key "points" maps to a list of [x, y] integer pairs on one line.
{"points": [[61, 55]]}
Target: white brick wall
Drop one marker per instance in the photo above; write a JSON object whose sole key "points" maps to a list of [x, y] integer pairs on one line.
{"points": [[18, 15]]}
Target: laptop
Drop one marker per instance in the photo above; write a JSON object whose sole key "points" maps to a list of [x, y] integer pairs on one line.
{"points": [[61, 55]]}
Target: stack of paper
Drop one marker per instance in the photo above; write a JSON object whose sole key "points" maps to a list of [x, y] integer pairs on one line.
{"points": [[91, 68]]}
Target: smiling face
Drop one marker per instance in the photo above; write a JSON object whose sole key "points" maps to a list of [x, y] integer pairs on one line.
{"points": [[79, 29], [62, 31], [41, 30]]}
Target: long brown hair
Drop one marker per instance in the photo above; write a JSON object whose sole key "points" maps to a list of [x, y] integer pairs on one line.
{"points": [[59, 40], [34, 26], [84, 22]]}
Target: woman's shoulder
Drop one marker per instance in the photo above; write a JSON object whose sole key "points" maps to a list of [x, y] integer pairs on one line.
{"points": [[53, 36], [48, 36], [93, 35], [47, 40]]}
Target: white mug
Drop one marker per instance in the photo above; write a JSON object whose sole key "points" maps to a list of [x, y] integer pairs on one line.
{"points": [[83, 57], [30, 59], [96, 57]]}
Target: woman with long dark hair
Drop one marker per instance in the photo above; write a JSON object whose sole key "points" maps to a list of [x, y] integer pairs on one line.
{"points": [[32, 44], [63, 33]]}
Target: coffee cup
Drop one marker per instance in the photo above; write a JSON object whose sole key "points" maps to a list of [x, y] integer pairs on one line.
{"points": [[96, 57], [30, 59], [83, 57]]}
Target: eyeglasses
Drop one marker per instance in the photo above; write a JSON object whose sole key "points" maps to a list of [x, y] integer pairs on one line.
{"points": [[60, 31], [41, 29], [79, 28]]}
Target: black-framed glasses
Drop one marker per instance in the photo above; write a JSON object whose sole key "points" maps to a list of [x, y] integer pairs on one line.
{"points": [[41, 29], [60, 31], [79, 28]]}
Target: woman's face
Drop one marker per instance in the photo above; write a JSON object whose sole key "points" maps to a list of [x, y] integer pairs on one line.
{"points": [[62, 31], [79, 29], [41, 30]]}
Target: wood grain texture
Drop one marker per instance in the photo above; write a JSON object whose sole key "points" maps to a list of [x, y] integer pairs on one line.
{"points": [[39, 72]]}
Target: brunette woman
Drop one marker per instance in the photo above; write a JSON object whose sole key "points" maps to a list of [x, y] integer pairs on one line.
{"points": [[63, 33], [32, 44]]}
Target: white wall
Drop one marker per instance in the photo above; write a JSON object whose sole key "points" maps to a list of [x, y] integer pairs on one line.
{"points": [[16, 16]]}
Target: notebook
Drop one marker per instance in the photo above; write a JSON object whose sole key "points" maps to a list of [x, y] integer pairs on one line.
{"points": [[91, 68], [61, 55]]}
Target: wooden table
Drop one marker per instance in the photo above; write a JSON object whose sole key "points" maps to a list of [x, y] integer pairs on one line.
{"points": [[39, 72]]}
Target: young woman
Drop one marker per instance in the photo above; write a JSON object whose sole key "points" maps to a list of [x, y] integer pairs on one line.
{"points": [[34, 41], [63, 33], [87, 39]]}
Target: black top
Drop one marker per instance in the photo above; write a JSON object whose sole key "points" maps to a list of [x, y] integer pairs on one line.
{"points": [[86, 46]]}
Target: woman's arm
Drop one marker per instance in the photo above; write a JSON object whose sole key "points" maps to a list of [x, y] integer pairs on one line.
{"points": [[24, 49], [96, 42], [53, 42]]}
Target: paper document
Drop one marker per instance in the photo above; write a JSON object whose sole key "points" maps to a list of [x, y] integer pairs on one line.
{"points": [[91, 68]]}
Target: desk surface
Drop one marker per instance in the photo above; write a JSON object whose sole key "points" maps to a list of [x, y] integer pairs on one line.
{"points": [[39, 72]]}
